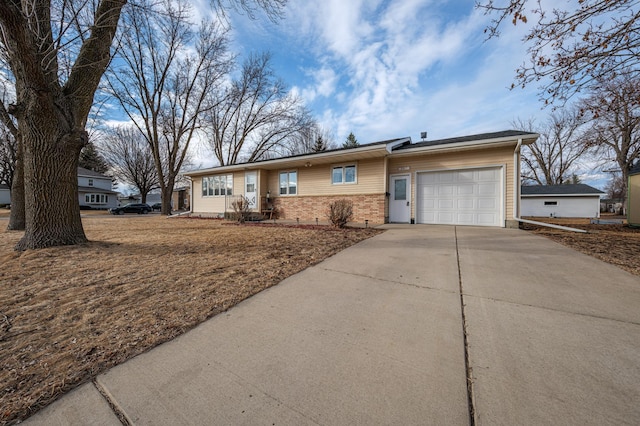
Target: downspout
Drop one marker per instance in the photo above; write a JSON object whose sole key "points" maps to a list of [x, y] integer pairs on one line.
{"points": [[516, 196]]}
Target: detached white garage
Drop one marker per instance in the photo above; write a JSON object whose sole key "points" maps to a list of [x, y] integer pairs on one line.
{"points": [[577, 200], [473, 196]]}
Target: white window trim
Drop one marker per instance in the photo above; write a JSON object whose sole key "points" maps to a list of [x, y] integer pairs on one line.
{"points": [[210, 182], [90, 182], [96, 198], [344, 173], [288, 186]]}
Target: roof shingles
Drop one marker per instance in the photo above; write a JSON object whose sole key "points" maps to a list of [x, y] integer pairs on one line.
{"points": [[572, 189]]}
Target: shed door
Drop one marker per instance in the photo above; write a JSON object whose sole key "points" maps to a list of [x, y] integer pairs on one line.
{"points": [[460, 197]]}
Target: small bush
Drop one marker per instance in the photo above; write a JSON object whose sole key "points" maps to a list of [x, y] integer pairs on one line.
{"points": [[241, 210], [340, 212]]}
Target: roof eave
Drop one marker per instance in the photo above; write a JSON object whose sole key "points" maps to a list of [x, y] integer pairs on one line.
{"points": [[462, 146], [361, 152]]}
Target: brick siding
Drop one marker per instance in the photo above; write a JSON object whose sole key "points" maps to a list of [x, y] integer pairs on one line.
{"points": [[307, 209]]}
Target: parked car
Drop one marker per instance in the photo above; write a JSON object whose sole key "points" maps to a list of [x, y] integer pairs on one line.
{"points": [[139, 208], [157, 206]]}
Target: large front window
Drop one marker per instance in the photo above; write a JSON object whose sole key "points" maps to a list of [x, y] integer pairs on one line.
{"points": [[218, 185], [96, 198], [288, 183], [343, 174]]}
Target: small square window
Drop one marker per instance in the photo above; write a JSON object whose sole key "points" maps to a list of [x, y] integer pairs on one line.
{"points": [[343, 174], [288, 183]]}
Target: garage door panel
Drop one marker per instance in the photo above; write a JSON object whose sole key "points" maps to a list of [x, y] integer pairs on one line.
{"points": [[445, 190], [487, 175], [460, 197], [466, 204], [445, 217], [446, 177], [488, 189], [445, 203], [466, 189], [487, 204], [466, 176]]}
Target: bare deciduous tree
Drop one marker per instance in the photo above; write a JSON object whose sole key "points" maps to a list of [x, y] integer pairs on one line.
{"points": [[555, 155], [130, 158], [57, 53], [312, 139], [571, 48], [167, 72], [614, 110], [256, 117]]}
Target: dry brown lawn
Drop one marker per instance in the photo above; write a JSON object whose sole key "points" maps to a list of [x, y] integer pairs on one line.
{"points": [[69, 313], [616, 244]]}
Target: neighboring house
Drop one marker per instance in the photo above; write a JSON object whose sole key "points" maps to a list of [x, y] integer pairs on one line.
{"points": [[611, 205], [633, 198], [5, 195], [470, 180], [95, 190], [180, 198], [577, 200]]}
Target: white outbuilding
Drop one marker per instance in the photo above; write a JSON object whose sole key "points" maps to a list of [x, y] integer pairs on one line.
{"points": [[575, 200]]}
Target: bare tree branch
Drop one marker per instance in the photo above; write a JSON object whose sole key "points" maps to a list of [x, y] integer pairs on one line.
{"points": [[556, 154], [571, 49]]}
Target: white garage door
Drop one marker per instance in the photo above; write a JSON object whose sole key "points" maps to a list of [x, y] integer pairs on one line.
{"points": [[460, 197]]}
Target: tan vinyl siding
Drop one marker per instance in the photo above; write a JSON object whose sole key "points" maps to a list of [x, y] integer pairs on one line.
{"points": [[214, 204], [316, 180], [457, 160]]}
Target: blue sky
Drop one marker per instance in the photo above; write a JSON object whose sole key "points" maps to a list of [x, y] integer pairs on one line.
{"points": [[385, 69]]}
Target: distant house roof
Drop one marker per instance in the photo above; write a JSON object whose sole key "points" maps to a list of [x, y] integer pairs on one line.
{"points": [[635, 170], [90, 173], [559, 190], [95, 190], [2, 186]]}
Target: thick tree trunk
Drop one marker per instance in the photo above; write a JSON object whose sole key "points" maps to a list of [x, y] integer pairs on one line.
{"points": [[167, 193], [51, 182], [17, 217]]}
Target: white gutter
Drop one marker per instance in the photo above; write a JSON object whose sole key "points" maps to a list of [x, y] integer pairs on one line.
{"points": [[516, 196]]}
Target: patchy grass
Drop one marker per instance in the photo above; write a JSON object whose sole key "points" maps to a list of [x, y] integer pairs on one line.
{"points": [[69, 313], [617, 244]]}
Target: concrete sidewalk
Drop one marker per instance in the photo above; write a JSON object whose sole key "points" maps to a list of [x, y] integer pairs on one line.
{"points": [[374, 335]]}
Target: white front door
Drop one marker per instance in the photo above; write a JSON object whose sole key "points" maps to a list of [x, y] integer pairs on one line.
{"points": [[400, 199], [250, 188]]}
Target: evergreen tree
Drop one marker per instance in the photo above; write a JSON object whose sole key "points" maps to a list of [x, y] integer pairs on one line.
{"points": [[91, 159], [351, 141], [320, 145]]}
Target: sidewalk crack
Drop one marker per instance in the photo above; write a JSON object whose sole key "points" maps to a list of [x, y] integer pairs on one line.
{"points": [[120, 414], [467, 358]]}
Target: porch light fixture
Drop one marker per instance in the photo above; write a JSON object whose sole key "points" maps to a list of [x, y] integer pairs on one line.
{"points": [[307, 164]]}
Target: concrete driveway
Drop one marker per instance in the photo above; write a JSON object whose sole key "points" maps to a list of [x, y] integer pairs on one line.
{"points": [[374, 335]]}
